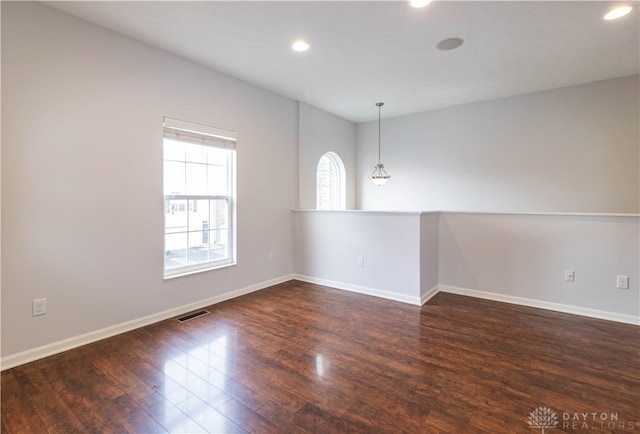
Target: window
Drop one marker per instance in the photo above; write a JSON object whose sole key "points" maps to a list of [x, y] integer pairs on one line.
{"points": [[330, 182], [199, 197]]}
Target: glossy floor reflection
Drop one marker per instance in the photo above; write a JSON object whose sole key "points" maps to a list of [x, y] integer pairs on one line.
{"points": [[304, 358]]}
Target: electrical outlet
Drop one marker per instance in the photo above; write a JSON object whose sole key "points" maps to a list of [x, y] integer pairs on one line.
{"points": [[622, 282], [270, 257], [569, 275], [39, 306], [360, 261]]}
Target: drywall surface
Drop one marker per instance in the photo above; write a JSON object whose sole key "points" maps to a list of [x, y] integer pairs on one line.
{"points": [[82, 199], [524, 256], [327, 245], [429, 252], [567, 150], [321, 132]]}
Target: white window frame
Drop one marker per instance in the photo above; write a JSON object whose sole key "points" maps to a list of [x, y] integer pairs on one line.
{"points": [[339, 193], [203, 135]]}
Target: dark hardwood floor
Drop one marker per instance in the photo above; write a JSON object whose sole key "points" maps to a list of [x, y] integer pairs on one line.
{"points": [[298, 358]]}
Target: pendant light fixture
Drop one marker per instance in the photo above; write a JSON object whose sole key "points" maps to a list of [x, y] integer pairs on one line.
{"points": [[379, 176]]}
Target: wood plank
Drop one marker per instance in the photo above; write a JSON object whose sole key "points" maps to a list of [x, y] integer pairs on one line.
{"points": [[247, 418], [18, 414]]}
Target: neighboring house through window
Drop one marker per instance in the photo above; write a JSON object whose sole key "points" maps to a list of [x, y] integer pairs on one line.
{"points": [[199, 197], [330, 182]]}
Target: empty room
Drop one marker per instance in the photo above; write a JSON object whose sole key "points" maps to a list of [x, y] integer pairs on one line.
{"points": [[320, 216]]}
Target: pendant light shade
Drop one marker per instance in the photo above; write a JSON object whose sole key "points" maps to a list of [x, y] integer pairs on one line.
{"points": [[379, 176]]}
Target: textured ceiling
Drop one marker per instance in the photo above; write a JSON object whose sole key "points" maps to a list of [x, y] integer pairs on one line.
{"points": [[363, 52]]}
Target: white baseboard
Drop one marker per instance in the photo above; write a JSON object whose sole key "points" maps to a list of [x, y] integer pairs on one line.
{"points": [[23, 357], [361, 289], [565, 308], [429, 294]]}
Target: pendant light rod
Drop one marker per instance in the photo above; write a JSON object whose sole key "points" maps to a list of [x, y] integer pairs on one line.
{"points": [[379, 104], [379, 176]]}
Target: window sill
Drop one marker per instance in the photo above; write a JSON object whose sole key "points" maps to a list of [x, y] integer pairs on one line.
{"points": [[188, 272]]}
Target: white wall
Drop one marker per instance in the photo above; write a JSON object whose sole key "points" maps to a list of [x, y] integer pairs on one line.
{"points": [[521, 258], [82, 205], [429, 254], [567, 150], [328, 243], [321, 132]]}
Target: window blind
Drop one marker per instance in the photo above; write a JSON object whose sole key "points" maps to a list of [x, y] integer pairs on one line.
{"points": [[199, 134]]}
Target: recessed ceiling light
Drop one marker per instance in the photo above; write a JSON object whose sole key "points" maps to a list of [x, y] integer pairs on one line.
{"points": [[449, 44], [419, 3], [300, 45], [616, 13]]}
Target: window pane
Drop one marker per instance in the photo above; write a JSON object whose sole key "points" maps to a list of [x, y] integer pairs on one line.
{"points": [[198, 249], [173, 177], [217, 177], [330, 184], [174, 150], [218, 156], [219, 214], [198, 214], [218, 246], [197, 153], [175, 218], [196, 179], [196, 231], [327, 183], [175, 250]]}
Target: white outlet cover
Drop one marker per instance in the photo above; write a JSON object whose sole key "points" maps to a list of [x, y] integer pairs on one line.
{"points": [[39, 307], [569, 275], [622, 282]]}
